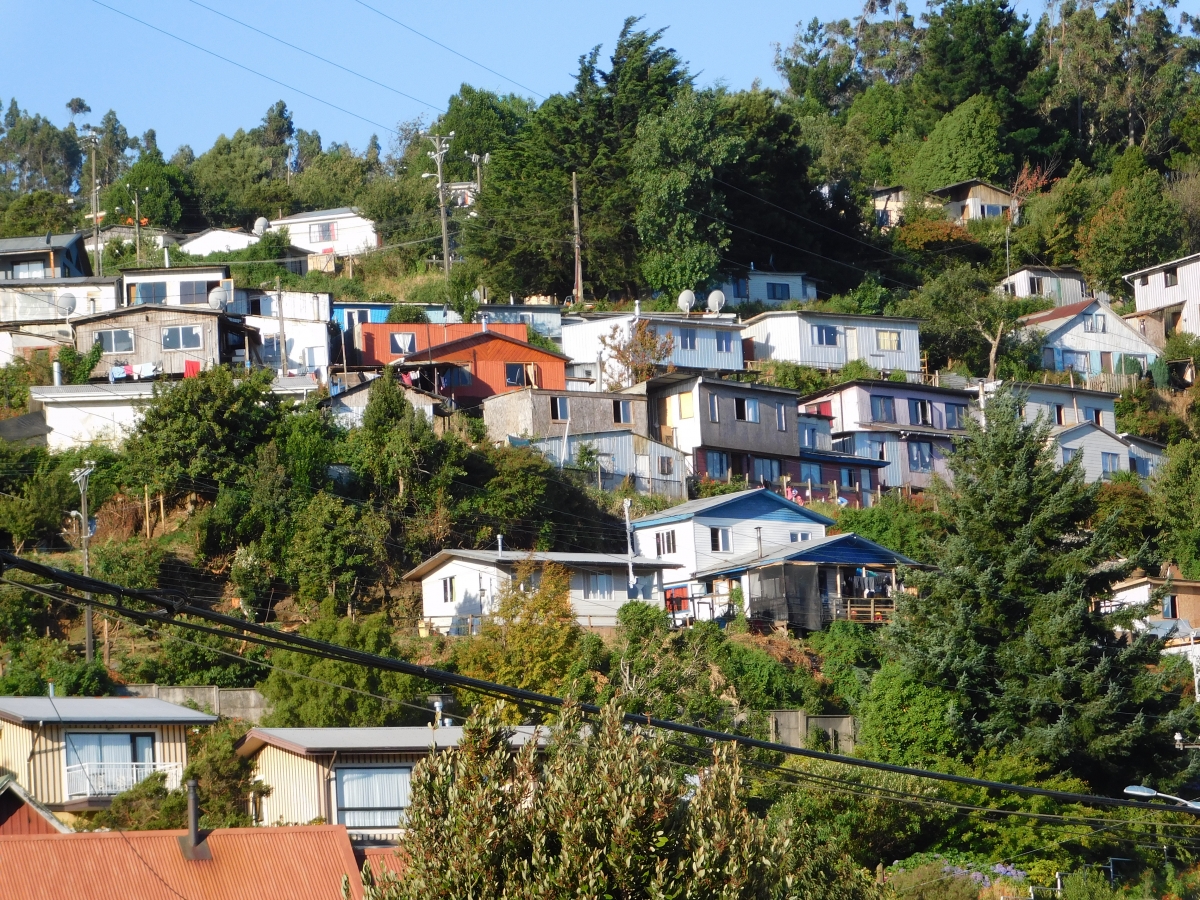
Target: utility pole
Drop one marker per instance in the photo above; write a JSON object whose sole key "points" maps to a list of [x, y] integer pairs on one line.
{"points": [[629, 547], [95, 142], [282, 335], [578, 257], [80, 477], [137, 221], [441, 143]]}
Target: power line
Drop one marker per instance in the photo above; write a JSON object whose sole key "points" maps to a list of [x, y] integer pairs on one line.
{"points": [[246, 68], [473, 62], [174, 603]]}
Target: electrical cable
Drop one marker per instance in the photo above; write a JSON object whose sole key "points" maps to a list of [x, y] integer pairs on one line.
{"points": [[174, 603]]}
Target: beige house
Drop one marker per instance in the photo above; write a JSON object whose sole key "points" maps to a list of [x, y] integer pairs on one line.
{"points": [[356, 777], [76, 753]]}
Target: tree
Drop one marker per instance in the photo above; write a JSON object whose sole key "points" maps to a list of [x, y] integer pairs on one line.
{"points": [[1177, 506], [911, 526], [406, 312], [334, 544], [38, 213], [679, 217], [601, 816], [1137, 227], [964, 144], [164, 196], [637, 357], [1003, 632]]}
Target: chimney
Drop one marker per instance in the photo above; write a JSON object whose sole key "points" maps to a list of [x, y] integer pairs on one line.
{"points": [[57, 373], [484, 321], [499, 546], [193, 845]]}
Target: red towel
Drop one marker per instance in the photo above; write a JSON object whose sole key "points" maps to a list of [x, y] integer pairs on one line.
{"points": [[191, 368]]}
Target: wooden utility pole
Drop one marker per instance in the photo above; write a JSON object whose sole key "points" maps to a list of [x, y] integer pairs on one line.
{"points": [[96, 211], [441, 143], [578, 257], [282, 335]]}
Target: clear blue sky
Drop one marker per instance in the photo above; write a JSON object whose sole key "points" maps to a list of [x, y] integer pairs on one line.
{"points": [[153, 81]]}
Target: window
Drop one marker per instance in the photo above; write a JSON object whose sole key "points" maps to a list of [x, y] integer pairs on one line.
{"points": [[745, 409], [664, 542], [560, 409], [717, 464], [622, 412], [810, 472], [1060, 415], [1170, 277], [1144, 280], [865, 484], [322, 232], [825, 335], [876, 449], [687, 406], [1139, 466], [781, 417], [1010, 289], [1091, 414], [1094, 323], [796, 536], [402, 342], [150, 292], [956, 415], [687, 338], [808, 437], [883, 409], [666, 465], [724, 341], [448, 590], [992, 210], [778, 291], [33, 269], [193, 293], [514, 375], [919, 413], [1076, 361], [456, 376], [598, 586], [1139, 358], [882, 218], [1169, 609], [719, 540], [766, 470], [117, 340], [713, 406], [1035, 286], [741, 288], [887, 340], [372, 796], [847, 477], [1110, 464], [920, 456], [1069, 453], [354, 317], [181, 337]]}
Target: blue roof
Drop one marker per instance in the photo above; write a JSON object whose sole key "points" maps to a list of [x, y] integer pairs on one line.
{"points": [[756, 503], [839, 549]]}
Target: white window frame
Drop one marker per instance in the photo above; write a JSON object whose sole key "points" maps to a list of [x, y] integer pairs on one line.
{"points": [[112, 343], [722, 537], [821, 332], [745, 409], [714, 408], [781, 416], [879, 342], [560, 409], [915, 454], [315, 236], [622, 412], [664, 543], [401, 347], [183, 348], [448, 589], [597, 586], [339, 809]]}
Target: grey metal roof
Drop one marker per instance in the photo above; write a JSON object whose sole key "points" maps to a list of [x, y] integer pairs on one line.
{"points": [[99, 710], [363, 740], [38, 242], [319, 213], [577, 560], [135, 390]]}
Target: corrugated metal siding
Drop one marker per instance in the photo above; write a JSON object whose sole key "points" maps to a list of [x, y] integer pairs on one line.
{"points": [[15, 744], [147, 340], [1093, 443], [374, 341], [790, 338], [296, 786], [619, 452]]}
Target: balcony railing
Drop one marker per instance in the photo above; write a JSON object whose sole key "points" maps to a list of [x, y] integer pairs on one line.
{"points": [[107, 779]]}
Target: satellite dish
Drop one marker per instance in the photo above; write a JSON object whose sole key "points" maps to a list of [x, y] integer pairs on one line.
{"points": [[219, 297], [261, 225], [687, 300], [66, 303], [716, 301]]}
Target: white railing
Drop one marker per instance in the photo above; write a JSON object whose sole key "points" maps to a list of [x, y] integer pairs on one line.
{"points": [[107, 779]]}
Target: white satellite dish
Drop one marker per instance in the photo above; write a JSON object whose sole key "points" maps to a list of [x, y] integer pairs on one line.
{"points": [[716, 301], [66, 303], [219, 297], [261, 225], [687, 300]]}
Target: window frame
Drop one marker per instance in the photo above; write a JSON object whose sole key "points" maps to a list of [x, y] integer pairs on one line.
{"points": [[886, 411], [197, 299], [1069, 454], [322, 232], [722, 458], [664, 543], [720, 539], [714, 407], [957, 413], [879, 333], [781, 416], [448, 595], [559, 405], [808, 469], [1110, 463], [687, 338], [156, 289], [779, 290], [340, 809], [920, 412], [666, 466], [622, 412], [182, 347], [114, 331], [745, 409], [724, 341], [394, 344], [919, 462], [821, 332], [1171, 277], [509, 369]]}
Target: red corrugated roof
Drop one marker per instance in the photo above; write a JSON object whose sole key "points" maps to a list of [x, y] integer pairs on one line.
{"points": [[304, 862], [1059, 312]]}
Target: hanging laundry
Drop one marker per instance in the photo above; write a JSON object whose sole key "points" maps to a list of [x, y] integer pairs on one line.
{"points": [[116, 372], [129, 370], [146, 370], [191, 368]]}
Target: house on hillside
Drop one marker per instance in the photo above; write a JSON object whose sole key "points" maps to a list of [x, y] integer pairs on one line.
{"points": [[1168, 293], [469, 369], [44, 256], [381, 344], [217, 240], [828, 341], [1090, 338], [330, 232], [701, 535], [614, 460], [312, 341], [1063, 285], [843, 577], [74, 416], [769, 288], [21, 814], [56, 299], [973, 199], [77, 753], [909, 427], [198, 286], [358, 778], [146, 340], [350, 405], [1173, 608], [460, 587]]}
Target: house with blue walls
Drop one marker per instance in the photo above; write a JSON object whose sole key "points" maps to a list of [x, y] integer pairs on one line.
{"points": [[1090, 338]]}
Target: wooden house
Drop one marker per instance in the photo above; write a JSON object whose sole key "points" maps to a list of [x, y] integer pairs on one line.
{"points": [[379, 344], [1090, 338], [973, 199], [76, 753], [828, 341], [153, 339]]}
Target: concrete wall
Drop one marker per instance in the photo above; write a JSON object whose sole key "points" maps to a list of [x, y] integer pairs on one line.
{"points": [[794, 726], [231, 703]]}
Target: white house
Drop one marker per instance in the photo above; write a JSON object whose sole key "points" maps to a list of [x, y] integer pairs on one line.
{"points": [[1088, 337], [217, 240], [460, 587], [78, 415], [827, 340], [1062, 284], [205, 286], [306, 327], [340, 232], [1170, 284], [701, 535], [46, 299], [770, 288]]}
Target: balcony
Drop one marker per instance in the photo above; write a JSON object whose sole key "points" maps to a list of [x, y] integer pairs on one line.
{"points": [[106, 779]]}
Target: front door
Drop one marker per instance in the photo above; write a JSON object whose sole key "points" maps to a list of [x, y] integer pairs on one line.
{"points": [[851, 343]]}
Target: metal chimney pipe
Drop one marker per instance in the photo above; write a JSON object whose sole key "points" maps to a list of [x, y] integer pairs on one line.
{"points": [[57, 373], [193, 813]]}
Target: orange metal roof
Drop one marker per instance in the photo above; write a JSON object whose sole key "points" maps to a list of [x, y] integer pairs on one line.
{"points": [[304, 862], [1058, 312]]}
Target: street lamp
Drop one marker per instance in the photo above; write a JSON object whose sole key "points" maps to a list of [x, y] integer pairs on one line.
{"points": [[1148, 793]]}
